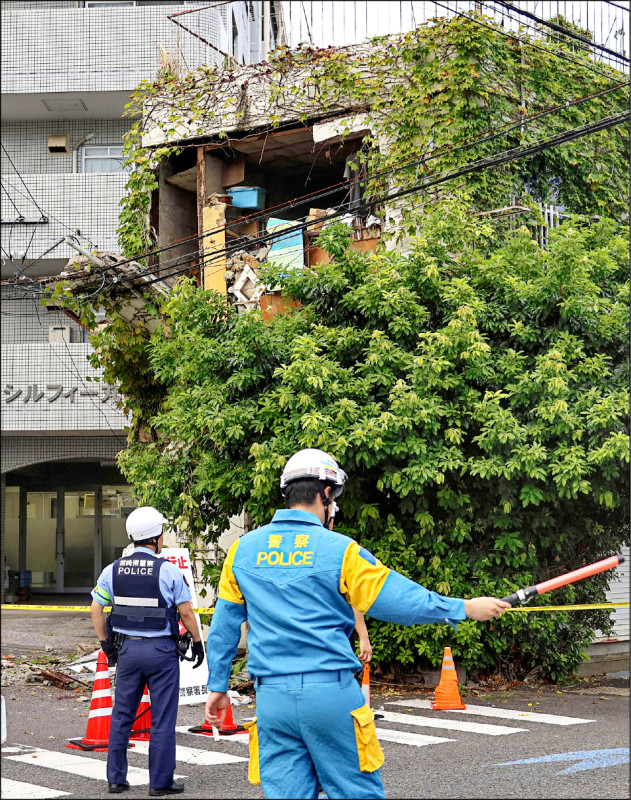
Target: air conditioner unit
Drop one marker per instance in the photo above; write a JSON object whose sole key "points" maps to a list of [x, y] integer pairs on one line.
{"points": [[59, 333], [59, 143]]}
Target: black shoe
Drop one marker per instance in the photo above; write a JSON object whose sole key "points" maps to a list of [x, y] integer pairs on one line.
{"points": [[117, 788], [174, 788]]}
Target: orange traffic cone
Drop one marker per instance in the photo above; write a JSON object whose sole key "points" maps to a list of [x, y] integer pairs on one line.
{"points": [[447, 696], [365, 687], [227, 728], [97, 734], [141, 729], [365, 683]]}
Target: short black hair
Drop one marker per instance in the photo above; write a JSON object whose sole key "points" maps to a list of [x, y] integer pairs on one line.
{"points": [[303, 492], [145, 542]]}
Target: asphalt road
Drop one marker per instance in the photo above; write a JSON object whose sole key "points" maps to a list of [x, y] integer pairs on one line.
{"points": [[460, 760], [468, 766]]}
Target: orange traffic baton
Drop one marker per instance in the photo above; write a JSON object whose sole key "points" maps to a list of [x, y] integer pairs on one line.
{"points": [[524, 595]]}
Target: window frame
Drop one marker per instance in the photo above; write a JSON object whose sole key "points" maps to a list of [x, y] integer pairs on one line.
{"points": [[85, 157]]}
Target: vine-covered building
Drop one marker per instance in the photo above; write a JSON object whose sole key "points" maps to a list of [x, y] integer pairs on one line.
{"points": [[269, 156]]}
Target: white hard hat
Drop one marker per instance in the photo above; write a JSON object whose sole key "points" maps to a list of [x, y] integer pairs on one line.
{"points": [[144, 523], [311, 463]]}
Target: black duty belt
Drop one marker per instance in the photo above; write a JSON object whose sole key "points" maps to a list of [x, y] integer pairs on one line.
{"points": [[144, 638]]}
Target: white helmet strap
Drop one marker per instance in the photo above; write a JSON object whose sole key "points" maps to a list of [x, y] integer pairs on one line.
{"points": [[327, 502]]}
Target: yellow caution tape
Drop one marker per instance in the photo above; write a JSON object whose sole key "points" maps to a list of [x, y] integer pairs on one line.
{"points": [[86, 609], [569, 608]]}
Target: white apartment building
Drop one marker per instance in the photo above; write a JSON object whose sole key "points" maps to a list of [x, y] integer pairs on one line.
{"points": [[68, 69]]}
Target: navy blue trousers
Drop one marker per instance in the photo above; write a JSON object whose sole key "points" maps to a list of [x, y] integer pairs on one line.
{"points": [[153, 662]]}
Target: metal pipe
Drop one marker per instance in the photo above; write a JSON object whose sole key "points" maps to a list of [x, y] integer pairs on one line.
{"points": [[70, 241], [81, 141]]}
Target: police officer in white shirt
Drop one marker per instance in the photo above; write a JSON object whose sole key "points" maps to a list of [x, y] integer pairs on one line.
{"points": [[146, 593]]}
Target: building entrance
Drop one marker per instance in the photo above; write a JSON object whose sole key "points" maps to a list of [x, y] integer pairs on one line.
{"points": [[64, 535]]}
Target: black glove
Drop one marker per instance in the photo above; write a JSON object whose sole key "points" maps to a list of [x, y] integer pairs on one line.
{"points": [[109, 648], [199, 652]]}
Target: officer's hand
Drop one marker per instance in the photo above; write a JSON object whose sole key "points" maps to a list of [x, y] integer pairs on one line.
{"points": [[484, 608], [365, 650], [199, 652], [110, 651], [216, 704]]}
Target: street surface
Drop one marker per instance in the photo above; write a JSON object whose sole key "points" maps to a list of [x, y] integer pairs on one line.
{"points": [[521, 741]]}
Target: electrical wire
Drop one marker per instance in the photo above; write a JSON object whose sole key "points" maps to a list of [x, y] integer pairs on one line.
{"points": [[77, 373], [17, 211], [221, 254], [484, 163], [22, 180], [515, 37], [318, 195], [334, 188], [560, 29], [74, 231], [47, 292]]}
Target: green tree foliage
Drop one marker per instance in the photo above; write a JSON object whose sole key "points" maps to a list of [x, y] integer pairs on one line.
{"points": [[475, 390]]}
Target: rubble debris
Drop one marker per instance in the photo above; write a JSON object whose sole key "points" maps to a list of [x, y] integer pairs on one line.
{"points": [[241, 278], [60, 680]]}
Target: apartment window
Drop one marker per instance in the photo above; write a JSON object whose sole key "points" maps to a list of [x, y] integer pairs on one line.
{"points": [[103, 158]]}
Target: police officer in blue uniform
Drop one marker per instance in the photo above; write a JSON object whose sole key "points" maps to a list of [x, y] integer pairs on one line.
{"points": [[296, 583], [146, 593]]}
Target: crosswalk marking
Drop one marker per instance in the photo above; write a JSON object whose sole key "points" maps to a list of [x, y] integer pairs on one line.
{"points": [[415, 739], [84, 766], [455, 725], [236, 737], [18, 790], [193, 755], [500, 713]]}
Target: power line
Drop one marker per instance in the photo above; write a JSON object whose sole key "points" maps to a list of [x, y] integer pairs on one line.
{"points": [[22, 180], [266, 237], [74, 231], [560, 29], [512, 154], [334, 188], [547, 50], [17, 211]]}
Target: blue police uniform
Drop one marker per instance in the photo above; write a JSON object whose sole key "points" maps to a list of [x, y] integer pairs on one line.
{"points": [[295, 582], [144, 591]]}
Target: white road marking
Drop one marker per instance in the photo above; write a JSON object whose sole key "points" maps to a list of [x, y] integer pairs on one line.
{"points": [[415, 739], [7, 750], [18, 790], [456, 725], [499, 713], [84, 766], [236, 737], [192, 755]]}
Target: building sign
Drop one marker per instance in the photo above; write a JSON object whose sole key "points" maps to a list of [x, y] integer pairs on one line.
{"points": [[45, 388], [55, 391]]}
